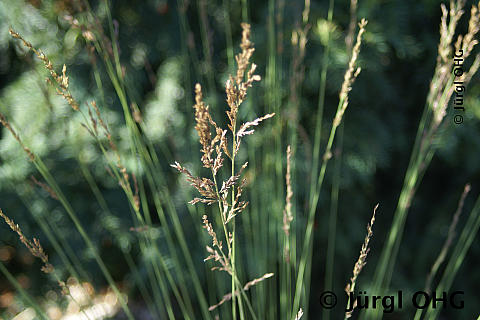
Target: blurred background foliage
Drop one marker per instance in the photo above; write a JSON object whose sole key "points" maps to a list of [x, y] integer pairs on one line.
{"points": [[165, 51]]}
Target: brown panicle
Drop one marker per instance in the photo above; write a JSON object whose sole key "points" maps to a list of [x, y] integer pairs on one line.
{"points": [[33, 246], [236, 89], [203, 120]]}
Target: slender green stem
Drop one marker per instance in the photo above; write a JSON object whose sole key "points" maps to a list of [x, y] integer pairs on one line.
{"points": [[147, 162], [423, 151], [332, 225], [271, 224], [25, 296], [207, 52], [240, 305], [228, 35], [305, 260], [464, 243], [245, 10], [53, 236], [321, 105], [131, 264], [304, 284]]}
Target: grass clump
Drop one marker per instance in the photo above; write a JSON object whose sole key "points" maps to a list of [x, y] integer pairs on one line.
{"points": [[256, 210], [227, 194]]}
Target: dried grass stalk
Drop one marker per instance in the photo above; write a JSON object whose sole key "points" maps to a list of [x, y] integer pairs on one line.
{"points": [[213, 149], [61, 80], [361, 262], [33, 246], [250, 284]]}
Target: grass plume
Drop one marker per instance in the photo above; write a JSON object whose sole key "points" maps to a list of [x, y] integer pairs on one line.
{"points": [[214, 149]]}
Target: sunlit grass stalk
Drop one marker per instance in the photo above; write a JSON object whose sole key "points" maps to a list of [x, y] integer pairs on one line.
{"points": [[306, 257], [285, 268]]}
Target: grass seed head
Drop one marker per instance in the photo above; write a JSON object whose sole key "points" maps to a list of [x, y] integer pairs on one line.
{"points": [[352, 73], [287, 212], [61, 80], [33, 246], [362, 260]]}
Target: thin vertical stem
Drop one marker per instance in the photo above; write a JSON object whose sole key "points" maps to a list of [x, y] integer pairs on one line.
{"points": [[332, 224], [24, 295]]}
